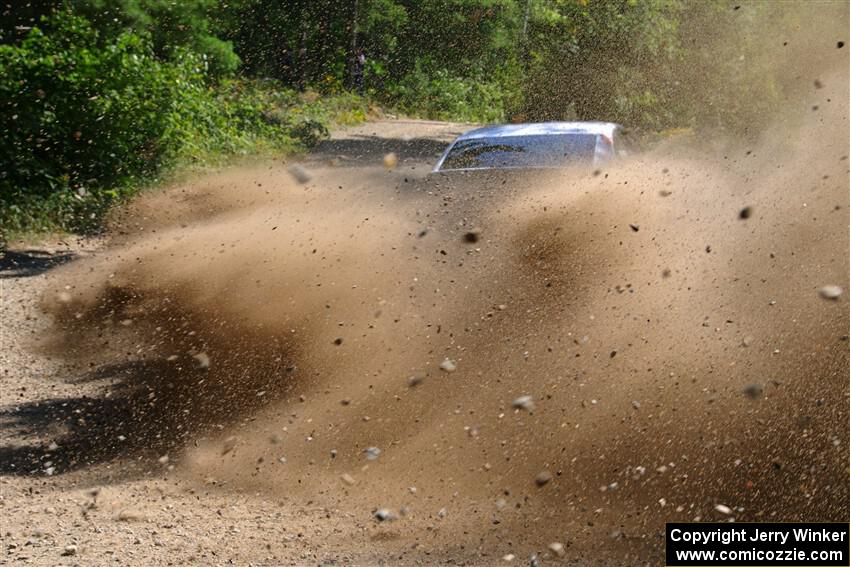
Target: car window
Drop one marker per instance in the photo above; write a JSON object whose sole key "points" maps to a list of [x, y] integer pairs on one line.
{"points": [[550, 150]]}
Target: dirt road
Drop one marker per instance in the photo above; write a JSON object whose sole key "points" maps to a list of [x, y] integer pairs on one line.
{"points": [[355, 364]]}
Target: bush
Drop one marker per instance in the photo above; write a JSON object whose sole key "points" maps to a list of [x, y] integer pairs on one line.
{"points": [[240, 117], [88, 119], [171, 27], [79, 117], [441, 96]]}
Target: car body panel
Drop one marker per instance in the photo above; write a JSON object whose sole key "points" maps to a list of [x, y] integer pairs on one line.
{"points": [[606, 131]]}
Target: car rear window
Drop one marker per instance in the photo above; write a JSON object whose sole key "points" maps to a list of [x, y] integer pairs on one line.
{"points": [[549, 150]]}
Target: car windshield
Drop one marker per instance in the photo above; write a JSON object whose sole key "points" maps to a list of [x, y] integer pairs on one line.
{"points": [[545, 150]]}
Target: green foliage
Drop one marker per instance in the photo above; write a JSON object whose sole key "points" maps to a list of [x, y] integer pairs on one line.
{"points": [[604, 66], [171, 26], [399, 37], [439, 95], [658, 64], [87, 119], [632, 61], [78, 117], [729, 78], [242, 117]]}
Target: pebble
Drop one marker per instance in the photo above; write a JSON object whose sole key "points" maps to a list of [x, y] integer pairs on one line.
{"points": [[723, 509], [390, 160], [385, 515], [300, 174], [832, 292], [442, 513], [203, 360], [229, 444], [414, 381], [543, 478], [524, 402], [753, 391], [509, 557], [557, 548], [128, 516], [372, 453], [70, 550], [348, 479], [448, 366], [472, 236]]}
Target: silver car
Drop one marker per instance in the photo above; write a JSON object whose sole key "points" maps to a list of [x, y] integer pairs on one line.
{"points": [[541, 145]]}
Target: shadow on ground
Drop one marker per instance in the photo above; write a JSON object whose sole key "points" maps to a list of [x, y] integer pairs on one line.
{"points": [[144, 410], [27, 263], [370, 150]]}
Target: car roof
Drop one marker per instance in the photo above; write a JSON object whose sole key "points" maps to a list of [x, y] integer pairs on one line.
{"points": [[541, 129]]}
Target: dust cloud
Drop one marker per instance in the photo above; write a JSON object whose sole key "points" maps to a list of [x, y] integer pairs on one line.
{"points": [[611, 350]]}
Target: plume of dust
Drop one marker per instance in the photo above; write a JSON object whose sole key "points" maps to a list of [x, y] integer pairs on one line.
{"points": [[671, 355]]}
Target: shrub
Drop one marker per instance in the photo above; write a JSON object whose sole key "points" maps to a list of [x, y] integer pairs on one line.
{"points": [[79, 116], [88, 119], [439, 95]]}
